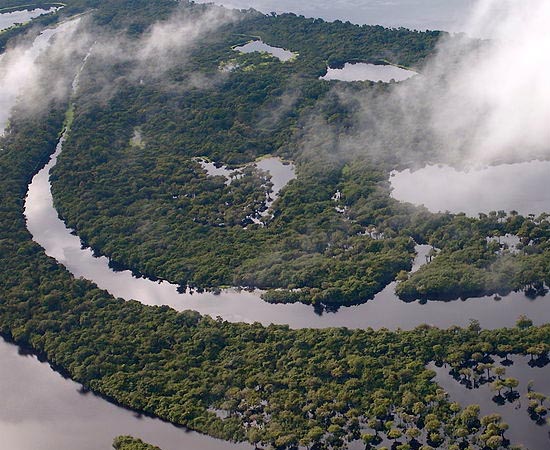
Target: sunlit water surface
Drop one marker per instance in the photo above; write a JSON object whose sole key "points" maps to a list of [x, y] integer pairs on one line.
{"points": [[45, 411], [449, 15], [368, 72], [259, 46], [522, 187], [42, 410]]}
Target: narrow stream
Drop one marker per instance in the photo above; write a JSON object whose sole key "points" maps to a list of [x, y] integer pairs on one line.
{"points": [[43, 410], [384, 311]]}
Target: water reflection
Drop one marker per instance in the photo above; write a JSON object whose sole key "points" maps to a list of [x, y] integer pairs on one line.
{"points": [[449, 15], [11, 18], [520, 187], [259, 46], [385, 310], [43, 410], [513, 408]]}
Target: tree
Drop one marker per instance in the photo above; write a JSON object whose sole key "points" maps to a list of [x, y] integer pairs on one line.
{"points": [[510, 383], [524, 322]]}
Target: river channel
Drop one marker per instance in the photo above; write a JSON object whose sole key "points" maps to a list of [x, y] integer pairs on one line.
{"points": [[385, 310]]}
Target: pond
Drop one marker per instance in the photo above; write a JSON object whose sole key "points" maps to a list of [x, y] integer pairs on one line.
{"points": [[43, 410], [521, 187], [281, 173], [9, 19], [513, 409], [368, 72], [384, 310], [259, 46]]}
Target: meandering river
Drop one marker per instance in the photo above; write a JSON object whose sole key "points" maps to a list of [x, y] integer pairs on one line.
{"points": [[384, 311]]}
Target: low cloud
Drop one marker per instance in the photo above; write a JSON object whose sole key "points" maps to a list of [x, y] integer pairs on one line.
{"points": [[482, 98], [166, 45], [499, 96]]}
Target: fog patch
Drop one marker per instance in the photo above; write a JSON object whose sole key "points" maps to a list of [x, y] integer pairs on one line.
{"points": [[117, 58], [22, 70], [476, 101]]}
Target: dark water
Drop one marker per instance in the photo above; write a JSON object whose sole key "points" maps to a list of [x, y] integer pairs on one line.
{"points": [[522, 430], [41, 410]]}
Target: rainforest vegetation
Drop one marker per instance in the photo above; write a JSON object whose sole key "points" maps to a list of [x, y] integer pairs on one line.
{"points": [[153, 209], [277, 386]]}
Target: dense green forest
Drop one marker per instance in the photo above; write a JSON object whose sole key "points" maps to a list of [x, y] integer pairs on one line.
{"points": [[279, 386], [276, 386], [153, 209]]}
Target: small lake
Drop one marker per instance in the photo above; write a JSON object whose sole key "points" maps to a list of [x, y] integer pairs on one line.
{"points": [[522, 187], [368, 72], [42, 410], [11, 18], [281, 172], [522, 430], [260, 46], [385, 310]]}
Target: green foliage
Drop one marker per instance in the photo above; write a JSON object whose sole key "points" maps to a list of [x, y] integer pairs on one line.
{"points": [[152, 209], [287, 384], [131, 443]]}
